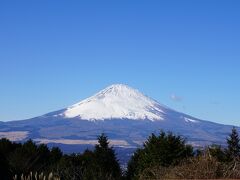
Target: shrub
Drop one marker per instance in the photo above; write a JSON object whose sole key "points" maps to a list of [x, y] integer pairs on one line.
{"points": [[164, 150], [201, 167]]}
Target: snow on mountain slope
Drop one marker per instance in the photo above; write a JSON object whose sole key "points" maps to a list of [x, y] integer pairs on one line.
{"points": [[133, 115], [116, 102]]}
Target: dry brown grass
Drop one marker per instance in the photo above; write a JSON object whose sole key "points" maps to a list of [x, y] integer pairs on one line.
{"points": [[37, 176], [203, 167]]}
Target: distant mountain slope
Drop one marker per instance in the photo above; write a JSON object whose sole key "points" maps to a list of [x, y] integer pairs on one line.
{"points": [[115, 102], [123, 113]]}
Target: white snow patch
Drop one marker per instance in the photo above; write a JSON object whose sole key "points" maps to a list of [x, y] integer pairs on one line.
{"points": [[190, 120], [116, 102]]}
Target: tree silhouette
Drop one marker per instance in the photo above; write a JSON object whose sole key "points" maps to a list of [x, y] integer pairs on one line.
{"points": [[106, 158], [233, 141], [164, 150]]}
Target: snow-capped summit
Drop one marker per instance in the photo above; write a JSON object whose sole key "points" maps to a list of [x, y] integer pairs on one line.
{"points": [[133, 115], [117, 101]]}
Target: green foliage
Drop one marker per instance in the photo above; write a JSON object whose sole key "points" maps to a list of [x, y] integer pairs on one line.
{"points": [[162, 156], [233, 141], [55, 154], [106, 158], [30, 157], [69, 167], [4, 168], [18, 160], [163, 150], [7, 146], [100, 164], [217, 152]]}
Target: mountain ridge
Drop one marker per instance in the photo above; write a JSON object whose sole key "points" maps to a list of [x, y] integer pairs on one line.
{"points": [[124, 129], [115, 101]]}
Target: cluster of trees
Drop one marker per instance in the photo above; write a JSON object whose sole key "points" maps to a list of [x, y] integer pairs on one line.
{"points": [[18, 160], [168, 157], [163, 150], [162, 156]]}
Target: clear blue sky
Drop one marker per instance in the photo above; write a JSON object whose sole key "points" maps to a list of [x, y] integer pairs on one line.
{"points": [[185, 54]]}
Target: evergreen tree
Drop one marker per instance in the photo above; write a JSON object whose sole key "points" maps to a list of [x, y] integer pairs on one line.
{"points": [[55, 155], [106, 158], [217, 152], [7, 146], [163, 150], [4, 168], [233, 141]]}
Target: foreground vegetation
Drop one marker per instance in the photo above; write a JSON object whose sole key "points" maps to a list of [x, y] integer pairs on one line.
{"points": [[163, 156]]}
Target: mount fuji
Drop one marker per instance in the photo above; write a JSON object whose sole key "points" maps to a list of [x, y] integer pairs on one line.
{"points": [[116, 102], [124, 114]]}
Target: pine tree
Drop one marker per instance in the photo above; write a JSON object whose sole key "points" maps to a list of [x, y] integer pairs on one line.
{"points": [[163, 150], [233, 141], [106, 158], [217, 152], [4, 168]]}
